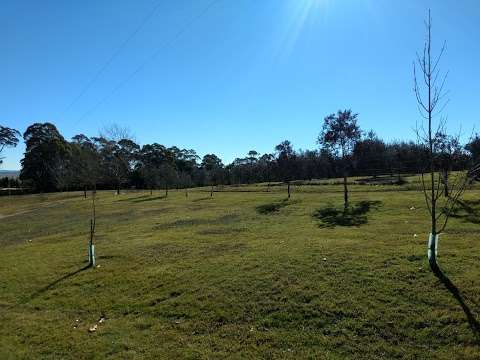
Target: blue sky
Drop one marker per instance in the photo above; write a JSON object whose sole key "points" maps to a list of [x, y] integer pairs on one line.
{"points": [[245, 75]]}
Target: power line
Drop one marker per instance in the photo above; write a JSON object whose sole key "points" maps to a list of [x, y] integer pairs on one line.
{"points": [[114, 55], [164, 45]]}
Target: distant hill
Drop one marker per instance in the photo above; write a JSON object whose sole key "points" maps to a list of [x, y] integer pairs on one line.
{"points": [[9, 173]]}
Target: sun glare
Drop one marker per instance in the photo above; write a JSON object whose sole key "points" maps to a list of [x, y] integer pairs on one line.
{"points": [[300, 15]]}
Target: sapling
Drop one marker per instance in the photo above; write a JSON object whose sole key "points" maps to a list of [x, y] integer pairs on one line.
{"points": [[91, 246], [430, 96]]}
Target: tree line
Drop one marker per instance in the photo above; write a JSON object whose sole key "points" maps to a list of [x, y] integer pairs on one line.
{"points": [[115, 161]]}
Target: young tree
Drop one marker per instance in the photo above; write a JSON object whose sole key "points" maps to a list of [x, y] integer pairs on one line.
{"points": [[340, 134], [286, 163], [8, 138], [430, 95], [93, 222]]}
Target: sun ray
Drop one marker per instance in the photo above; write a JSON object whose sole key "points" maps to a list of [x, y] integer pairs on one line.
{"points": [[300, 15]]}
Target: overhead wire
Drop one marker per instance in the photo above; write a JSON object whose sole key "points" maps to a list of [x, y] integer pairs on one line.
{"points": [[164, 45], [114, 55]]}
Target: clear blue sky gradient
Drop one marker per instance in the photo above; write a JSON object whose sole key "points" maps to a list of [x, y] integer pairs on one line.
{"points": [[247, 75]]}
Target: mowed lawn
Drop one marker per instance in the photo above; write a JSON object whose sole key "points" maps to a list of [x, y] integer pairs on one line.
{"points": [[240, 275]]}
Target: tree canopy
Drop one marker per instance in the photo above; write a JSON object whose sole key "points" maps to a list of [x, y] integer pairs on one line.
{"points": [[8, 138]]}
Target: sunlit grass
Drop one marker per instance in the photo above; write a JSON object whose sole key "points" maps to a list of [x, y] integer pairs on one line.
{"points": [[219, 277]]}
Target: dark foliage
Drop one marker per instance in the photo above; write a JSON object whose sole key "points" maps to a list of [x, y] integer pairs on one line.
{"points": [[467, 210], [8, 138], [53, 164], [273, 207], [355, 215]]}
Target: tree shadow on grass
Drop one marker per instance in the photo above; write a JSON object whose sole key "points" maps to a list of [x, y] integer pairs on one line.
{"points": [[52, 285], [467, 210], [149, 198], [355, 215], [472, 321], [274, 207], [203, 199], [135, 198]]}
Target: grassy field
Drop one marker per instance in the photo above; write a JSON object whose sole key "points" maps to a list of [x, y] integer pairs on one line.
{"points": [[245, 274]]}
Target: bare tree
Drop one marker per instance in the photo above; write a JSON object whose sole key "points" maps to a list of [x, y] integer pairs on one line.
{"points": [[429, 90], [93, 220], [115, 132]]}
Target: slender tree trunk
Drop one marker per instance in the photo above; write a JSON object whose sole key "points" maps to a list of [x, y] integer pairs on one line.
{"points": [[211, 191], [432, 259], [118, 189], [288, 189], [151, 191], [85, 191], [345, 192], [166, 190], [91, 247], [186, 193]]}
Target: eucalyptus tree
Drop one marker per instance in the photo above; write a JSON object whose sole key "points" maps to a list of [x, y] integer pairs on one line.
{"points": [[8, 138], [186, 164], [340, 134], [114, 169], [85, 163], [252, 171], [213, 167], [150, 159], [266, 162], [117, 159], [45, 164], [168, 175]]}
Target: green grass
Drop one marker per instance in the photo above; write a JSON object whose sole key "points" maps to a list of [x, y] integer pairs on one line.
{"points": [[240, 275]]}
